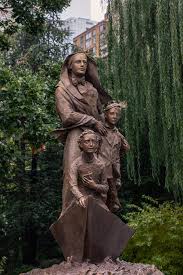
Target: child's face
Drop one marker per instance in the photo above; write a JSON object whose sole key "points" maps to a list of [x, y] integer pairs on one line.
{"points": [[112, 115], [89, 143]]}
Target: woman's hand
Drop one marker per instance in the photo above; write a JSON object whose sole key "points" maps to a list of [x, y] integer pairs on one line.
{"points": [[82, 201], [99, 126]]}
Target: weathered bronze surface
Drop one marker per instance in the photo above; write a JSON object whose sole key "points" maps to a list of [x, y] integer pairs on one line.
{"points": [[78, 104], [95, 235], [113, 145], [86, 228]]}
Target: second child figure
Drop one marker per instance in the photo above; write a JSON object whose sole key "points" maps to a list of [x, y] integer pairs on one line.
{"points": [[112, 146]]}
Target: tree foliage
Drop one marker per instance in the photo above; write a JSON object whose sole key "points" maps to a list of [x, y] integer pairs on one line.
{"points": [[145, 68], [30, 14], [32, 40], [30, 17], [29, 179], [36, 50], [158, 235]]}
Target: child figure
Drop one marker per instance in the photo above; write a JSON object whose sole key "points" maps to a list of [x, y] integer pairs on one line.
{"points": [[87, 175], [112, 145]]}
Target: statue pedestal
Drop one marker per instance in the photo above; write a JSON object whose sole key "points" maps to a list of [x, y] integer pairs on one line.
{"points": [[108, 267]]}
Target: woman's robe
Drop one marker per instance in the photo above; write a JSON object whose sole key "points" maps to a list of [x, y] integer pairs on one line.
{"points": [[78, 108]]}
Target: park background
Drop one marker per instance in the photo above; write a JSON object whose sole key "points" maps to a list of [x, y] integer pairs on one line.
{"points": [[144, 65]]}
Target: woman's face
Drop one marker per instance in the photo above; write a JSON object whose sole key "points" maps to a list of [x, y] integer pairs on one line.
{"points": [[79, 64]]}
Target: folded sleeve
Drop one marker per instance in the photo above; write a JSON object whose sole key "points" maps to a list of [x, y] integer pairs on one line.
{"points": [[73, 181], [67, 114]]}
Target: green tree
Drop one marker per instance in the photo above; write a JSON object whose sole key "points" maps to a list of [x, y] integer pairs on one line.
{"points": [[34, 51], [33, 44], [29, 16], [145, 68], [29, 178]]}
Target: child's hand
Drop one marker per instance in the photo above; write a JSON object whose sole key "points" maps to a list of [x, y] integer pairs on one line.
{"points": [[88, 182]]}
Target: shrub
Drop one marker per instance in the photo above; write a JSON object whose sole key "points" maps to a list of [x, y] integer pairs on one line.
{"points": [[2, 264], [158, 238]]}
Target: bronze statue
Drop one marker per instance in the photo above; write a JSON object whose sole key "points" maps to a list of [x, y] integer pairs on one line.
{"points": [[112, 146], [86, 229], [79, 98]]}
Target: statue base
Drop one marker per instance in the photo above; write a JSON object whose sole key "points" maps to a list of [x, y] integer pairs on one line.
{"points": [[107, 267]]}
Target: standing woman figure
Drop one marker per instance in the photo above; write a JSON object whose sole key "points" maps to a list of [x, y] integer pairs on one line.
{"points": [[79, 99]]}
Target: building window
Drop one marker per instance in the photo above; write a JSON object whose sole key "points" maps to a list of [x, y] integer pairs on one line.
{"points": [[94, 37], [88, 43], [88, 39], [88, 35], [94, 40], [81, 41], [89, 23], [94, 32], [101, 28]]}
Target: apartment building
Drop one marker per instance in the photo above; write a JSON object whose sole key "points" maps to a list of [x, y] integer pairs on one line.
{"points": [[74, 26], [93, 39]]}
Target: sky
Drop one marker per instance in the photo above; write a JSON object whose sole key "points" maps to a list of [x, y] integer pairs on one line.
{"points": [[92, 9]]}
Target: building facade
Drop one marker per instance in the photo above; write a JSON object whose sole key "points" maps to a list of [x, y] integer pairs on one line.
{"points": [[94, 39], [74, 26]]}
